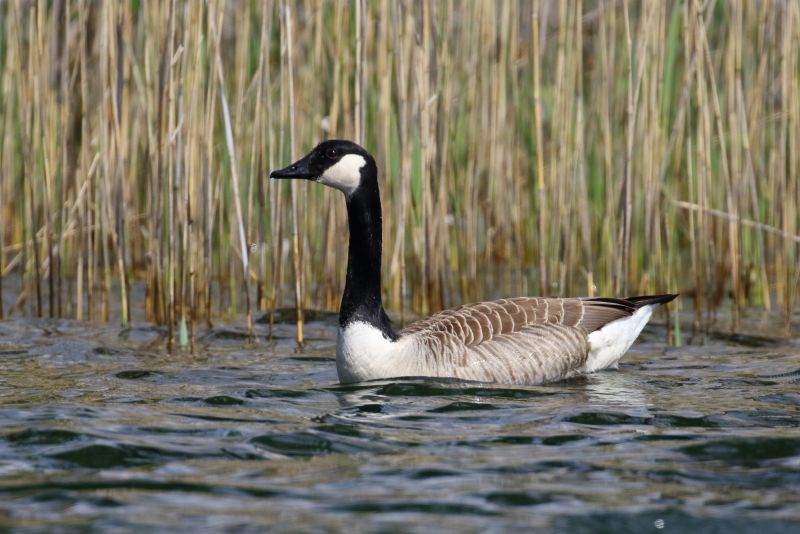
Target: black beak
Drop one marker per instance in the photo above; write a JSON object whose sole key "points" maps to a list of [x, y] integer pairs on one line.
{"points": [[298, 169]]}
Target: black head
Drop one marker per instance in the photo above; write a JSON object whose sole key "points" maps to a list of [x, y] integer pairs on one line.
{"points": [[336, 163]]}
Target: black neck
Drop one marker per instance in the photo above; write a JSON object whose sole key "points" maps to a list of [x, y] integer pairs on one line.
{"points": [[362, 291]]}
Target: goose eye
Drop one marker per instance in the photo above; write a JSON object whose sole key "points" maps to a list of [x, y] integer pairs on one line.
{"points": [[332, 153]]}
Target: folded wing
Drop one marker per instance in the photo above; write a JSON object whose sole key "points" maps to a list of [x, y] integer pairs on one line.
{"points": [[519, 340]]}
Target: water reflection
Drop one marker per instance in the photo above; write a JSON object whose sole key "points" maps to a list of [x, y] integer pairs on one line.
{"points": [[617, 389]]}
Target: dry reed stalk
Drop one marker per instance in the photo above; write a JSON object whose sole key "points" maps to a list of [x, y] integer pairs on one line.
{"points": [[258, 165], [422, 93], [49, 151], [31, 276], [207, 156], [296, 259], [537, 106], [403, 68], [624, 245], [172, 172], [243, 247], [189, 144], [360, 74], [4, 148], [580, 156], [384, 80], [788, 154], [2, 204], [733, 231], [275, 213]]}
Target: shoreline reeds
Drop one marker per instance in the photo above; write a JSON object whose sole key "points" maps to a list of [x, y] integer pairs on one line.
{"points": [[554, 148]]}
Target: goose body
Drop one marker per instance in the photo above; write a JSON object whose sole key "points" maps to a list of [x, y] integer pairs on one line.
{"points": [[525, 340]]}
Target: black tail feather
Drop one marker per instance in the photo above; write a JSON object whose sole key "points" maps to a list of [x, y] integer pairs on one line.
{"points": [[645, 300]]}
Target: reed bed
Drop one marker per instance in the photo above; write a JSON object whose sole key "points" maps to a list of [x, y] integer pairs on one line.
{"points": [[557, 148]]}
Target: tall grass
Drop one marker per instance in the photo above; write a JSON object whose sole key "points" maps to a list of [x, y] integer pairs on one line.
{"points": [[558, 148]]}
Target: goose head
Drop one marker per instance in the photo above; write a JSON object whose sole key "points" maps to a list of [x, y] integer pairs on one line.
{"points": [[340, 164]]}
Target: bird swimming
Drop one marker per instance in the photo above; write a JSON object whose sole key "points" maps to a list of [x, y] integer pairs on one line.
{"points": [[523, 340]]}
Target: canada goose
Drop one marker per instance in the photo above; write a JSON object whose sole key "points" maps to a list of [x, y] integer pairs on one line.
{"points": [[527, 340]]}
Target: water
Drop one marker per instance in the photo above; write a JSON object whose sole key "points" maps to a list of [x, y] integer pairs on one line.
{"points": [[101, 430]]}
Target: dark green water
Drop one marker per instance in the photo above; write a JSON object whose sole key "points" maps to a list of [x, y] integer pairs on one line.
{"points": [[101, 430]]}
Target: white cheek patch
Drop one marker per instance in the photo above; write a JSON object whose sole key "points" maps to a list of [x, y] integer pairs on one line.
{"points": [[345, 175]]}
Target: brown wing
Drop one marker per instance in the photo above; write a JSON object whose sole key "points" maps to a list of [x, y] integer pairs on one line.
{"points": [[481, 321], [519, 340]]}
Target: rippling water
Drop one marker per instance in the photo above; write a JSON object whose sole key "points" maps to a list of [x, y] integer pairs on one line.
{"points": [[101, 429]]}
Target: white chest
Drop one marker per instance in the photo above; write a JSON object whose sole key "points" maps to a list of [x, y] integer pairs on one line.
{"points": [[363, 353]]}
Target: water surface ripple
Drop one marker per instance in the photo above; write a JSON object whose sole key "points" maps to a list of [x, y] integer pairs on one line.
{"points": [[102, 430]]}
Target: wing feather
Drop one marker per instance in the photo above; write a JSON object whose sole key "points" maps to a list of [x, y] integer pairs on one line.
{"points": [[521, 340]]}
